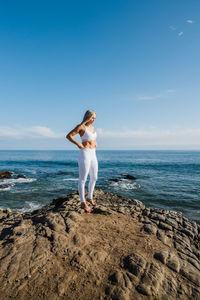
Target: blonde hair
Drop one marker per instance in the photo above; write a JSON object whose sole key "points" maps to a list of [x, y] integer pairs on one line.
{"points": [[87, 116]]}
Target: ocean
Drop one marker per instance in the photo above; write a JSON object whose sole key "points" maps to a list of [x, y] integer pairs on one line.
{"points": [[164, 179]]}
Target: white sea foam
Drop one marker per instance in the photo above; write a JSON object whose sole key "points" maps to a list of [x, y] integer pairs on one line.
{"points": [[30, 171], [6, 188], [123, 184], [70, 179], [30, 206], [150, 159], [17, 180], [9, 183]]}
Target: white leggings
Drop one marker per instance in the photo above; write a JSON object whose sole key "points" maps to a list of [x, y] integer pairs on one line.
{"points": [[87, 162]]}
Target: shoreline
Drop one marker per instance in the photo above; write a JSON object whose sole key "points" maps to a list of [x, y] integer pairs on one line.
{"points": [[163, 179], [123, 250], [8, 209]]}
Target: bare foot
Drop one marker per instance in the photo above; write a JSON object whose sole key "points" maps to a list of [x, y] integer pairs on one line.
{"points": [[91, 201], [86, 207]]}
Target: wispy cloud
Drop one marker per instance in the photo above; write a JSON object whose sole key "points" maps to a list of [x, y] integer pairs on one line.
{"points": [[33, 132], [42, 131], [152, 136], [156, 96], [172, 27], [39, 137], [180, 33], [190, 21]]}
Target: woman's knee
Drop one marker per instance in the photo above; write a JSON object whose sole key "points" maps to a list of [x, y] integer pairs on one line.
{"points": [[94, 177], [82, 180]]}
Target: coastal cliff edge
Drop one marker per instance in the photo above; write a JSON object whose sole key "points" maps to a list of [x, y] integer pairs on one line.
{"points": [[121, 251]]}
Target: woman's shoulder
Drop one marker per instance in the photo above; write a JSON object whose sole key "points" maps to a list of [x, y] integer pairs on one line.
{"points": [[81, 127]]}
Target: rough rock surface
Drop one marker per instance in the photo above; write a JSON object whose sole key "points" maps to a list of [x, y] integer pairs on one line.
{"points": [[121, 251]]}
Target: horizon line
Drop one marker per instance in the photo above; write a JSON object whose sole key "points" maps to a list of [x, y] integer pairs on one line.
{"points": [[101, 149]]}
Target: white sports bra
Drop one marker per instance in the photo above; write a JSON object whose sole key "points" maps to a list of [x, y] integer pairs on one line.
{"points": [[88, 135]]}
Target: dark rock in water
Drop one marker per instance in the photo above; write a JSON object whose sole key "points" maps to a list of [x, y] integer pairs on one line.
{"points": [[20, 176], [65, 173], [4, 186], [114, 179], [125, 176], [128, 176], [5, 175], [9, 175], [120, 251]]}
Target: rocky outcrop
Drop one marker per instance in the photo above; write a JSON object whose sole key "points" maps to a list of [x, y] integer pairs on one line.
{"points": [[20, 176], [125, 176], [5, 175], [128, 176], [122, 250]]}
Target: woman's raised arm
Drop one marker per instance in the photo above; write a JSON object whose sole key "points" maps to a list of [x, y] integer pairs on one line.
{"points": [[70, 135]]}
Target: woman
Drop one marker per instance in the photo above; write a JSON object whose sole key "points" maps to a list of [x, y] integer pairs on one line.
{"points": [[87, 160]]}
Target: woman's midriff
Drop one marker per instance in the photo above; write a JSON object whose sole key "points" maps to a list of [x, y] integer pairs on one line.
{"points": [[90, 144]]}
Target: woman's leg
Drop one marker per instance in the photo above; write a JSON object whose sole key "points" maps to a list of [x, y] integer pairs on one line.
{"points": [[84, 165], [93, 171]]}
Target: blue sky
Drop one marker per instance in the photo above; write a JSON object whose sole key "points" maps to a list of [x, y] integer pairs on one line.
{"points": [[136, 63]]}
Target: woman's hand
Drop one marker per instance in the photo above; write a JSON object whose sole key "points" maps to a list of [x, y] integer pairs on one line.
{"points": [[81, 146]]}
